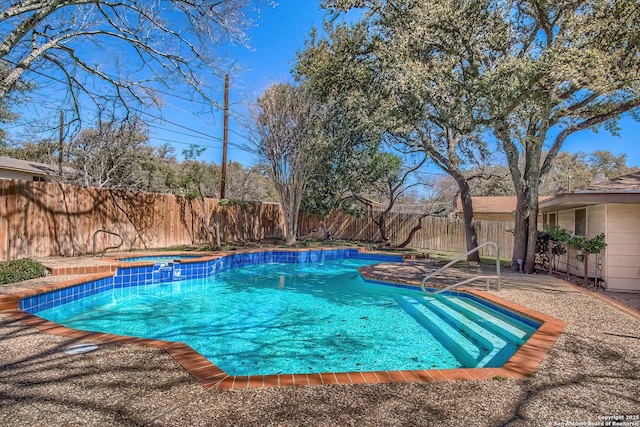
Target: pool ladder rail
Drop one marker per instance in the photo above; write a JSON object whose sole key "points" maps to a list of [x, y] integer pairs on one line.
{"points": [[469, 280], [108, 247]]}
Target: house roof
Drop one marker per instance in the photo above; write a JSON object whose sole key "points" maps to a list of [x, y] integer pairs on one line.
{"points": [[493, 204], [35, 168], [624, 184], [624, 189]]}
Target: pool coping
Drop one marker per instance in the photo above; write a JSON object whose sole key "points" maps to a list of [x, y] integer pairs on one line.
{"points": [[524, 362]]}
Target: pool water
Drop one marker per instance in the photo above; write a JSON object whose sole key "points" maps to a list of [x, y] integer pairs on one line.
{"points": [[303, 318], [159, 259]]}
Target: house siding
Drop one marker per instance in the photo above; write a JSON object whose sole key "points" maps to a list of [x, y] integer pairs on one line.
{"points": [[565, 219], [596, 224], [623, 247], [13, 174]]}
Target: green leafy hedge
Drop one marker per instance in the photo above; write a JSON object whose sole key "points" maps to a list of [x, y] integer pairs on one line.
{"points": [[19, 270], [558, 234]]}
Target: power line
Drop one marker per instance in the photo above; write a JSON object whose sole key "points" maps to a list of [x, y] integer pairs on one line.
{"points": [[212, 137], [173, 141], [206, 135]]}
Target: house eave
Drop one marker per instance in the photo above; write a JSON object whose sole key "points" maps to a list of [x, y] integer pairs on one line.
{"points": [[35, 172], [585, 198]]}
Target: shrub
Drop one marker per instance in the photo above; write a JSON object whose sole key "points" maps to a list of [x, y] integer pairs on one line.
{"points": [[558, 234], [550, 233], [587, 246], [19, 270]]}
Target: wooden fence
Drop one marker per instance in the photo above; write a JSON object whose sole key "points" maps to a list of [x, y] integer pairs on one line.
{"points": [[437, 233], [39, 219]]}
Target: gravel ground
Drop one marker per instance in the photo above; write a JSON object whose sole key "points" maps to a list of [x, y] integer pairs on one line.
{"points": [[592, 371]]}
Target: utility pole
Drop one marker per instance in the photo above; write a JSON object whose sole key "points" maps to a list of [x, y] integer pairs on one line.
{"points": [[60, 144], [225, 137]]}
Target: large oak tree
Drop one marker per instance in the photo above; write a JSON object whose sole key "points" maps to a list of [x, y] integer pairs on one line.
{"points": [[526, 73]]}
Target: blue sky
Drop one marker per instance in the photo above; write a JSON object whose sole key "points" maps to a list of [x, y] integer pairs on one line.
{"points": [[279, 32]]}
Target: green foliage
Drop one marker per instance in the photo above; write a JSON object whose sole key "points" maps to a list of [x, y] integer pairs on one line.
{"points": [[563, 237], [530, 73], [608, 164], [19, 270], [557, 233], [552, 233], [587, 246]]}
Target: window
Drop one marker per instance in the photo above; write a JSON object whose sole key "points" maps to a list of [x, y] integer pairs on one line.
{"points": [[551, 219], [580, 222]]}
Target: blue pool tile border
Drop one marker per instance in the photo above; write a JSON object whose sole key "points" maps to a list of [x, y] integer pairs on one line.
{"points": [[161, 273], [47, 300]]}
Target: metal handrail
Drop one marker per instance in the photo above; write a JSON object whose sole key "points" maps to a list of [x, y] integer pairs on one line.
{"points": [[464, 282], [109, 247]]}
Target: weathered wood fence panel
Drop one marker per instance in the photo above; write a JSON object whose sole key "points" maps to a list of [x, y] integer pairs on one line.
{"points": [[437, 233], [39, 219]]}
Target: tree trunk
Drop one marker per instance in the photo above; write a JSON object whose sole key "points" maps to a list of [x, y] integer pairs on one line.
{"points": [[526, 220], [290, 202], [290, 237], [206, 220], [532, 182], [530, 259], [471, 234], [413, 231], [520, 235], [382, 227]]}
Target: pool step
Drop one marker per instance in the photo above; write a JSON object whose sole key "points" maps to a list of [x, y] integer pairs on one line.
{"points": [[482, 334], [489, 318], [469, 353], [476, 336]]}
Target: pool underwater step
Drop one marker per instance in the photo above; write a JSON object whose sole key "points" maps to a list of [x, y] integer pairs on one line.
{"points": [[488, 343], [489, 319], [467, 352], [468, 335]]}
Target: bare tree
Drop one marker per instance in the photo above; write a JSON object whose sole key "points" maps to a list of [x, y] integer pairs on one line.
{"points": [[391, 186], [248, 184], [286, 133], [143, 46], [109, 156]]}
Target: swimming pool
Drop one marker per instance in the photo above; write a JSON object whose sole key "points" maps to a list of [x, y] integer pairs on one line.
{"points": [[312, 315], [159, 259]]}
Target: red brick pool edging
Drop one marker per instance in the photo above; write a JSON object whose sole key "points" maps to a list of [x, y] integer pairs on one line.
{"points": [[523, 363]]}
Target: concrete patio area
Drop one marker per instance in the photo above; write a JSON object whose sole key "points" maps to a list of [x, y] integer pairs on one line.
{"points": [[591, 372]]}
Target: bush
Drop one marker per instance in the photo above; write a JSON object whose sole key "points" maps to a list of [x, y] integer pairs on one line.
{"points": [[587, 246], [19, 270], [558, 234], [550, 233]]}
